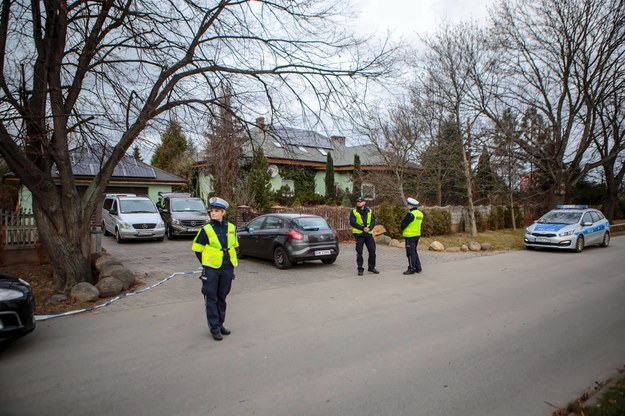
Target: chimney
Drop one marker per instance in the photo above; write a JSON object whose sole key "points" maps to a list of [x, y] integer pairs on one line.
{"points": [[260, 122], [339, 139]]}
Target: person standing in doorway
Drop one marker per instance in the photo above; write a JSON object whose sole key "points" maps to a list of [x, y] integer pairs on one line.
{"points": [[411, 231], [215, 247], [362, 222]]}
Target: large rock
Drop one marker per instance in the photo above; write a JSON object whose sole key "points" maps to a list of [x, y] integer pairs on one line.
{"points": [[125, 276], [109, 268], [436, 246], [383, 240], [378, 230], [397, 243], [486, 246], [103, 261], [109, 286], [475, 246], [84, 292], [464, 248]]}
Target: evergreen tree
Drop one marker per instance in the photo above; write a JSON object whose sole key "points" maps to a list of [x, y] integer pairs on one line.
{"points": [[485, 186], [357, 177], [330, 186], [172, 154], [259, 181], [136, 153]]}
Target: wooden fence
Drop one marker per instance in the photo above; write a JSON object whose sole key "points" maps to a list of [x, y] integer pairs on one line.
{"points": [[18, 230]]}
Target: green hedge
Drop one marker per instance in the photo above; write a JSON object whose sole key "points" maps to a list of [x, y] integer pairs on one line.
{"points": [[436, 221]]}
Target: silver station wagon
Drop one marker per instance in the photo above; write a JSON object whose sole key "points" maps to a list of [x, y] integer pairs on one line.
{"points": [[569, 227]]}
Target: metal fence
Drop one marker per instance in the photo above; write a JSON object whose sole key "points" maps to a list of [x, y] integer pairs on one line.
{"points": [[18, 230]]}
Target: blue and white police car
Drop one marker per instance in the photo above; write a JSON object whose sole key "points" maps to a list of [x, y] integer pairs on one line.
{"points": [[569, 227]]}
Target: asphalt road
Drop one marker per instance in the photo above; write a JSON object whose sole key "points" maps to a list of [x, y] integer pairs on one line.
{"points": [[502, 334]]}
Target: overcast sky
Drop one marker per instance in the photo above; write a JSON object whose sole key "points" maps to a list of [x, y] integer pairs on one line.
{"points": [[406, 18]]}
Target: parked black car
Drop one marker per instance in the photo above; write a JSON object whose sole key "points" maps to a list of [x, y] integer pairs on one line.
{"points": [[17, 308], [289, 238]]}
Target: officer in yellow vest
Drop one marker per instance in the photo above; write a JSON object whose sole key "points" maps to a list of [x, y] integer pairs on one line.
{"points": [[411, 230], [362, 221], [215, 247]]}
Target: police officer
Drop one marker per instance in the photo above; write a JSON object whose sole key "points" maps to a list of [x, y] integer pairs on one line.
{"points": [[411, 230], [215, 246], [362, 221]]}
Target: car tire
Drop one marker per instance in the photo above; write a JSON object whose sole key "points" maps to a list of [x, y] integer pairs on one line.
{"points": [[329, 261], [104, 229], [281, 258], [606, 239], [579, 244], [118, 236]]}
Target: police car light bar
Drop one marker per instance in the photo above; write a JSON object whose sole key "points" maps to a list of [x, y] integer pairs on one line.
{"points": [[571, 206]]}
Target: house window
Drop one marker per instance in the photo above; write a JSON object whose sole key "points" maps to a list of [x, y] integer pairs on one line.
{"points": [[288, 187], [277, 144], [322, 151], [302, 149], [368, 191]]}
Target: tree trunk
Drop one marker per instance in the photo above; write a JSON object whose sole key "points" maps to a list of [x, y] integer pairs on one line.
{"points": [[69, 247], [512, 210]]}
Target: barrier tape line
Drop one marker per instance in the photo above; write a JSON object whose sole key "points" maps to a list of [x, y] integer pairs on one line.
{"points": [[115, 299]]}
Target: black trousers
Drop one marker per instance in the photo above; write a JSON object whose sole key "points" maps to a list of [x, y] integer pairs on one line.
{"points": [[369, 241], [216, 284], [414, 264]]}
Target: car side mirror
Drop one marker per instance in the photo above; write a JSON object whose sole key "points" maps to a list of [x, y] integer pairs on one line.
{"points": [[586, 224], [251, 230], [113, 211]]}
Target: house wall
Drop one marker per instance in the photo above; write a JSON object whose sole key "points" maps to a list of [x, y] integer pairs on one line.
{"points": [[342, 180]]}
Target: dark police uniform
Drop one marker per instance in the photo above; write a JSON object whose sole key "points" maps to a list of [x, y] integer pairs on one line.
{"points": [[359, 219], [215, 246]]}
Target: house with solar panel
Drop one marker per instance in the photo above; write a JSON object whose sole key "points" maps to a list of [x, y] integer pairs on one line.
{"points": [[131, 176], [286, 148]]}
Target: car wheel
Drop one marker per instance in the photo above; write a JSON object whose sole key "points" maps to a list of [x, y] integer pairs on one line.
{"points": [[606, 240], [118, 236], [329, 261], [104, 229], [281, 259], [579, 244]]}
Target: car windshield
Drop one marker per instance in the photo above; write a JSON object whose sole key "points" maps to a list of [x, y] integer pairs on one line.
{"points": [[560, 217], [311, 223], [135, 206], [179, 205]]}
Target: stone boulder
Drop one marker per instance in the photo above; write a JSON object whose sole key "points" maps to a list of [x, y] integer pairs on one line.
{"points": [[436, 246], [464, 248], [378, 230], [486, 246], [452, 249], [109, 286], [383, 240], [397, 243], [125, 276], [103, 261], [475, 246], [84, 292]]}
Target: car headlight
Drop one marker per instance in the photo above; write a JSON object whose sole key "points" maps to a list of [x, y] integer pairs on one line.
{"points": [[10, 294], [527, 231], [175, 221], [161, 224], [565, 233], [125, 225]]}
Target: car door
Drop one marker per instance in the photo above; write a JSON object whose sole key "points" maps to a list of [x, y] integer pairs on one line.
{"points": [[272, 229], [248, 237], [590, 234], [598, 227]]}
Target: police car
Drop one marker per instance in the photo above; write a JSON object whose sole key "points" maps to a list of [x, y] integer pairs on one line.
{"points": [[569, 227]]}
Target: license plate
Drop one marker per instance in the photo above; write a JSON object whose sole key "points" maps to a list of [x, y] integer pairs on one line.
{"points": [[323, 252], [145, 233], [542, 240]]}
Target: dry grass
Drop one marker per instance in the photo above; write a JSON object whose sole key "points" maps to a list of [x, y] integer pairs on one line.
{"points": [[499, 240]]}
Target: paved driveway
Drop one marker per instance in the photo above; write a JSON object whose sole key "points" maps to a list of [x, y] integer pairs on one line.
{"points": [[154, 261]]}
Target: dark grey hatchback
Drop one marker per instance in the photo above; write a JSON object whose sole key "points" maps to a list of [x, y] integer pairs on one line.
{"points": [[288, 239]]}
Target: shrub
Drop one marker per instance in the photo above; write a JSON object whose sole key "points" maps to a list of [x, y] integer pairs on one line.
{"points": [[436, 222]]}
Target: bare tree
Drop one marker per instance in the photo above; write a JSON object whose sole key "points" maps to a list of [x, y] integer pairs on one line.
{"points": [[398, 135], [452, 55], [76, 73], [224, 141], [557, 58]]}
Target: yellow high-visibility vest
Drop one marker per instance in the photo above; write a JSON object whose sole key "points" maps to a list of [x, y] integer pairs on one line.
{"points": [[414, 228], [213, 252]]}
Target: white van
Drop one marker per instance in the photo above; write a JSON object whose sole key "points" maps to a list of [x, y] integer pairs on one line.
{"points": [[131, 217]]}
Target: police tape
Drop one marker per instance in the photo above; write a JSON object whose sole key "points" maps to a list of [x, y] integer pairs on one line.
{"points": [[115, 299]]}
